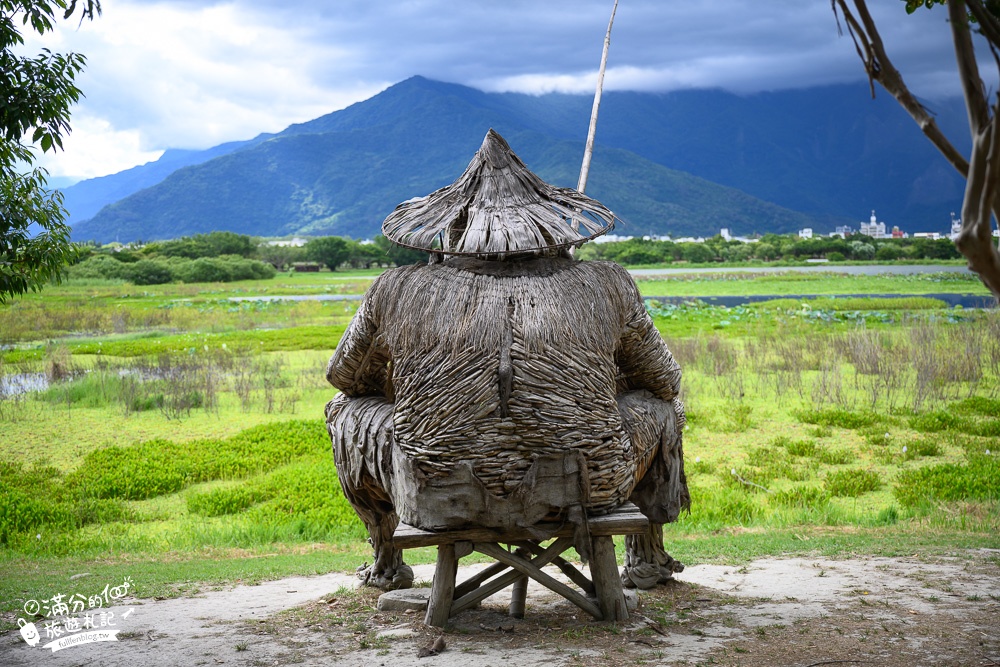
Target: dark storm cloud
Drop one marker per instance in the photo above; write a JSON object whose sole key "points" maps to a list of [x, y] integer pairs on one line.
{"points": [[195, 74]]}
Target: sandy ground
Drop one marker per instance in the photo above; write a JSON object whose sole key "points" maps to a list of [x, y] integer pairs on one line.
{"points": [[785, 612]]}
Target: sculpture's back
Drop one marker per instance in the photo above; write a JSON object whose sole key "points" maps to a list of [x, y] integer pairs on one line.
{"points": [[507, 383]]}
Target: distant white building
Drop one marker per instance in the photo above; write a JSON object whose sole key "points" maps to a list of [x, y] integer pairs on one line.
{"points": [[843, 231], [956, 227], [724, 233], [873, 228], [933, 236], [294, 242], [612, 238], [806, 233]]}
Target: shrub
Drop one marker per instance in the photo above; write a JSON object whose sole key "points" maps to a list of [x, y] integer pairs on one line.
{"points": [[93, 390], [835, 256], [725, 506], [979, 479], [98, 267], [835, 457], [852, 483], [204, 270], [977, 405], [222, 269], [932, 422], [307, 492], [148, 272], [34, 500], [887, 253], [862, 250], [922, 447], [219, 502], [800, 447], [152, 468], [839, 418], [802, 496]]}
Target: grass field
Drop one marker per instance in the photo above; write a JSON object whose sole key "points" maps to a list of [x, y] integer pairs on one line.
{"points": [[180, 440]]}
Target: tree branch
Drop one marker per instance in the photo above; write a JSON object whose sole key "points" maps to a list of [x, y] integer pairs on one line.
{"points": [[989, 27], [975, 241], [881, 69], [968, 69], [982, 171]]}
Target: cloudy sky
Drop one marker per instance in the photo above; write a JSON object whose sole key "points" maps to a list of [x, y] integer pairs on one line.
{"points": [[196, 73]]}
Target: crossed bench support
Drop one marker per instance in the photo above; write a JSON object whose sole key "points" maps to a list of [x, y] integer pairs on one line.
{"points": [[601, 595]]}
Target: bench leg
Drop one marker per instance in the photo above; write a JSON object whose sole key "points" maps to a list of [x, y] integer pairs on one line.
{"points": [[518, 596], [607, 582], [519, 592], [443, 587]]}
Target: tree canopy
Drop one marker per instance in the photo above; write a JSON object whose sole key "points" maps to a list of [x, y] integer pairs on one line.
{"points": [[36, 93]]}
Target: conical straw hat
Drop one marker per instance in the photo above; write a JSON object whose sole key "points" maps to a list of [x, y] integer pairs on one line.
{"points": [[498, 207]]}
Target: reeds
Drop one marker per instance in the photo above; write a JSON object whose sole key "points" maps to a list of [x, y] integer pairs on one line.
{"points": [[916, 367]]}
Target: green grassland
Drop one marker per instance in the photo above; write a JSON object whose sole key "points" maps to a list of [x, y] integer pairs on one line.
{"points": [[736, 282], [181, 439]]}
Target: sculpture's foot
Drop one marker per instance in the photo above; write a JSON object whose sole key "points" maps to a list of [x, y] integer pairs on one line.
{"points": [[647, 575], [386, 579]]}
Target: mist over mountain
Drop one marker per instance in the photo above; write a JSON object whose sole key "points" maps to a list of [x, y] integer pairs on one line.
{"points": [[681, 163]]}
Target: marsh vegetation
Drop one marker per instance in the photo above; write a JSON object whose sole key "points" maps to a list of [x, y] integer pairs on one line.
{"points": [[179, 435]]}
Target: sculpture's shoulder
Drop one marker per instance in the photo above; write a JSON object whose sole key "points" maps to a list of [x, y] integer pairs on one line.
{"points": [[390, 281]]}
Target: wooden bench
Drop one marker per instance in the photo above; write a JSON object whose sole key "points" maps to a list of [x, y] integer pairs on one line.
{"points": [[526, 560]]}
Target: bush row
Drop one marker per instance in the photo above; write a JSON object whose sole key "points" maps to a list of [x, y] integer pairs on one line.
{"points": [[223, 269]]}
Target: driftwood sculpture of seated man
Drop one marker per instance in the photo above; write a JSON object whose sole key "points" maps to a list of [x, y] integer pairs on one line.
{"points": [[505, 383]]}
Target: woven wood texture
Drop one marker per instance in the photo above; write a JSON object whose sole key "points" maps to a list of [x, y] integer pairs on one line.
{"points": [[576, 338], [497, 207]]}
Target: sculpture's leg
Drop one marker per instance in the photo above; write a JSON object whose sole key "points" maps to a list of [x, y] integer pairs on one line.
{"points": [[361, 433], [647, 562], [656, 431]]}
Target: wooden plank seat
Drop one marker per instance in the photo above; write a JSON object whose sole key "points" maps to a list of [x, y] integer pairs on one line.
{"points": [[601, 595]]}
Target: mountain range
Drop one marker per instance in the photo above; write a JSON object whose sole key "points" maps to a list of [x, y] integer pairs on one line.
{"points": [[683, 163]]}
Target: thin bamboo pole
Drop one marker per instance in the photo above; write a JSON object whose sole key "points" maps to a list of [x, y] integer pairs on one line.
{"points": [[585, 168]]}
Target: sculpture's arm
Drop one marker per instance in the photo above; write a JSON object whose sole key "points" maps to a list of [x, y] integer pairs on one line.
{"points": [[358, 366], [644, 360]]}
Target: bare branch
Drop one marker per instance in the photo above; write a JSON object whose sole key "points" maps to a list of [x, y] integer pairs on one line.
{"points": [[881, 69], [982, 171], [854, 30], [988, 24], [968, 69]]}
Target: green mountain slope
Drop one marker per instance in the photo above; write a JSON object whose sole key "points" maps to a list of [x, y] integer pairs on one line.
{"points": [[820, 157]]}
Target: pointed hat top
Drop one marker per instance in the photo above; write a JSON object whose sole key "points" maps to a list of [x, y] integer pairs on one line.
{"points": [[497, 207]]}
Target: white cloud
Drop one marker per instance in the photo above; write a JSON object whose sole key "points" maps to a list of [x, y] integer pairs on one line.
{"points": [[95, 148]]}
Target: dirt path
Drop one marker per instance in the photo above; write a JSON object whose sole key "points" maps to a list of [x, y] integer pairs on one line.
{"points": [[774, 612]]}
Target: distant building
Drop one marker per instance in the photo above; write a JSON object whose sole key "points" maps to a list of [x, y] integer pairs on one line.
{"points": [[294, 242], [933, 236], [724, 233], [873, 228], [806, 233], [843, 231], [612, 238], [956, 227], [897, 233]]}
